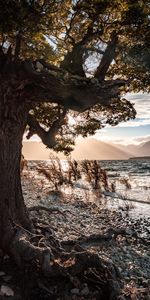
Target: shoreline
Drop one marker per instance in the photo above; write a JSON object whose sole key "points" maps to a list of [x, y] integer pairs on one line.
{"points": [[81, 219]]}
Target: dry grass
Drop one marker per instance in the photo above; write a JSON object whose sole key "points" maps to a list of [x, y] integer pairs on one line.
{"points": [[54, 173], [74, 171], [128, 205], [89, 172], [113, 187], [23, 164], [125, 181], [95, 175], [133, 292]]}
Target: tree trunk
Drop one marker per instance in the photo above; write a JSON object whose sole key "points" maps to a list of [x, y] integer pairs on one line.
{"points": [[12, 207], [15, 240]]}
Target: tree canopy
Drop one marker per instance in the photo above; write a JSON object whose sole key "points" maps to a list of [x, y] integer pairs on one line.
{"points": [[86, 54]]}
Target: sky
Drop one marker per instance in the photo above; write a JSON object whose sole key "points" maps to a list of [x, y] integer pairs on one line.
{"points": [[134, 131]]}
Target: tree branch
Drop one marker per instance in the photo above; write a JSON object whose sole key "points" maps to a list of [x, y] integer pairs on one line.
{"points": [[2, 58], [18, 45], [107, 58], [34, 83], [48, 137], [95, 49], [73, 61], [48, 209], [73, 92]]}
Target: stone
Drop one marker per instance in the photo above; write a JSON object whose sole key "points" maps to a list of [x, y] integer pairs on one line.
{"points": [[129, 231], [52, 73], [39, 66], [6, 290], [85, 291], [75, 291]]}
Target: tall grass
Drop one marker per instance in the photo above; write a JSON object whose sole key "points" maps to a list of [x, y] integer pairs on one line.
{"points": [[125, 182], [94, 174], [53, 173], [87, 172]]}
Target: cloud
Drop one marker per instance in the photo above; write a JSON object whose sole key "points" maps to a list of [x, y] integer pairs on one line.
{"points": [[132, 141], [142, 139], [142, 106], [126, 140], [135, 123], [127, 132]]}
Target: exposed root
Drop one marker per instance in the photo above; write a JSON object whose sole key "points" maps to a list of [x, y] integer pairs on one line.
{"points": [[23, 250], [73, 268], [48, 209], [95, 239]]}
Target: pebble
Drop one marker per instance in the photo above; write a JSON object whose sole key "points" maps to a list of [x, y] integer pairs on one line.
{"points": [[85, 291], [128, 252], [129, 231], [75, 291]]}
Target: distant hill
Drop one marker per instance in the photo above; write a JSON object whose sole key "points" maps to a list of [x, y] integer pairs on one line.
{"points": [[94, 149], [35, 151], [130, 149], [144, 150], [85, 149], [136, 150], [140, 157], [88, 149]]}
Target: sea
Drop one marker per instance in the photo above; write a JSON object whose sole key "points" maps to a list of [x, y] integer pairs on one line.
{"points": [[131, 179], [136, 172]]}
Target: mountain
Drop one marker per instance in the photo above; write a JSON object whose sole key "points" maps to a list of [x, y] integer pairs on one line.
{"points": [[130, 149], [88, 148], [144, 150], [95, 149], [35, 151], [84, 149]]}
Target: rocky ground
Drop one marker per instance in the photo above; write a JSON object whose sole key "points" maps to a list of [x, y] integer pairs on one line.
{"points": [[111, 233]]}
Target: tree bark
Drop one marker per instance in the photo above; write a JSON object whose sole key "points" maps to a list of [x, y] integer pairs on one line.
{"points": [[12, 207]]}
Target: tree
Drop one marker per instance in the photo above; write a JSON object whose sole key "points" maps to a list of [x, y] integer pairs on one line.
{"points": [[46, 48]]}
